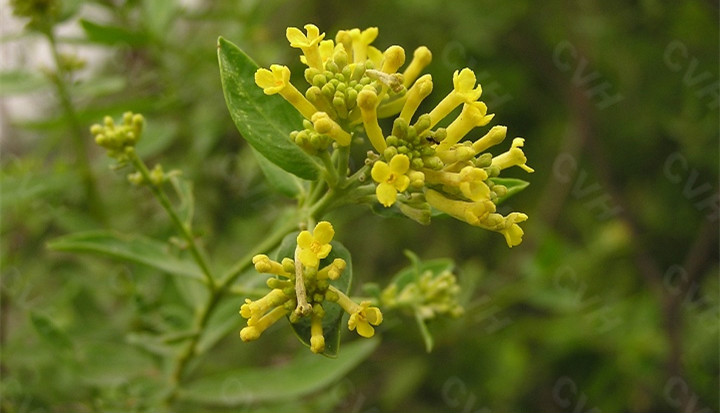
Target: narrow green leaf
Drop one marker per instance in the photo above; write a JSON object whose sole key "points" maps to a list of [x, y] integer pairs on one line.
{"points": [[184, 190], [333, 312], [106, 34], [50, 332], [303, 375], [264, 121], [513, 186], [18, 82], [134, 248], [278, 179]]}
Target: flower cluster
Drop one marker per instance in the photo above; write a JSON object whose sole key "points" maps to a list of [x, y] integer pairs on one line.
{"points": [[419, 164], [119, 140], [429, 296], [301, 288]]}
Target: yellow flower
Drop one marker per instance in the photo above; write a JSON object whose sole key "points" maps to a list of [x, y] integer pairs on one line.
{"points": [[357, 41], [471, 212], [508, 226], [391, 178], [464, 91], [393, 58], [492, 138], [317, 246], [417, 93], [256, 327], [514, 157], [367, 100], [362, 317], [256, 309], [307, 43], [317, 340], [421, 58], [325, 125], [473, 115], [277, 80]]}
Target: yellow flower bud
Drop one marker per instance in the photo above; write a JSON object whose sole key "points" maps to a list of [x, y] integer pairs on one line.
{"points": [[417, 93], [325, 125], [421, 58], [473, 115], [367, 100], [394, 57], [492, 138]]}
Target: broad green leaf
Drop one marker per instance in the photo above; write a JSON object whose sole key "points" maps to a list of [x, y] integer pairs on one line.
{"points": [[333, 312], [279, 179], [50, 332], [304, 374], [264, 121], [513, 186], [134, 248], [106, 34]]}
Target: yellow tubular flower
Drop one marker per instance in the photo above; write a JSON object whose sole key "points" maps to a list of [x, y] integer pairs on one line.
{"points": [[473, 115], [361, 315], [256, 309], [415, 95], [471, 212], [367, 100], [464, 91], [508, 226], [317, 246], [325, 125], [307, 43], [470, 181], [514, 157], [253, 332], [492, 138], [317, 340], [277, 80], [263, 264], [361, 41], [457, 153], [332, 271], [391, 178], [327, 49], [421, 58], [393, 58]]}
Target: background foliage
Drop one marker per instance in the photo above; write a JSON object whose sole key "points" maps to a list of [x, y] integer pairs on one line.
{"points": [[610, 303]]}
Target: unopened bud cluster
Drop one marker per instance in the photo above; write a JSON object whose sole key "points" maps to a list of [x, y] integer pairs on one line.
{"points": [[429, 296], [119, 140]]}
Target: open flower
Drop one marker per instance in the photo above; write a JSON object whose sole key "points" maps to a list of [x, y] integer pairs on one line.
{"points": [[464, 91], [391, 178], [277, 80], [315, 246], [307, 43], [514, 157], [363, 316]]}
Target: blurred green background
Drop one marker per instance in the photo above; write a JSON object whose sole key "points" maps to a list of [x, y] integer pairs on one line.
{"points": [[610, 303]]}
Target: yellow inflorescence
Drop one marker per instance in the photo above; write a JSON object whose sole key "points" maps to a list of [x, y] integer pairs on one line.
{"points": [[352, 84]]}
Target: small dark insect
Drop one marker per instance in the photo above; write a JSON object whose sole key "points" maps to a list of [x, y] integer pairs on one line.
{"points": [[431, 139]]}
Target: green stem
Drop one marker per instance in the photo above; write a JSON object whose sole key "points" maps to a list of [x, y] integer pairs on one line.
{"points": [[77, 131], [184, 229]]}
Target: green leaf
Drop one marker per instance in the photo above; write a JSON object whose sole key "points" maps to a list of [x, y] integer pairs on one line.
{"points": [[50, 332], [278, 179], [134, 248], [106, 34], [303, 375], [264, 121], [17, 82], [513, 186], [333, 312]]}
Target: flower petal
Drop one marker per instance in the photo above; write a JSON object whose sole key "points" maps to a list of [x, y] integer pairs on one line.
{"points": [[386, 194], [399, 164], [365, 329], [323, 232], [308, 258], [304, 239], [380, 172]]}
